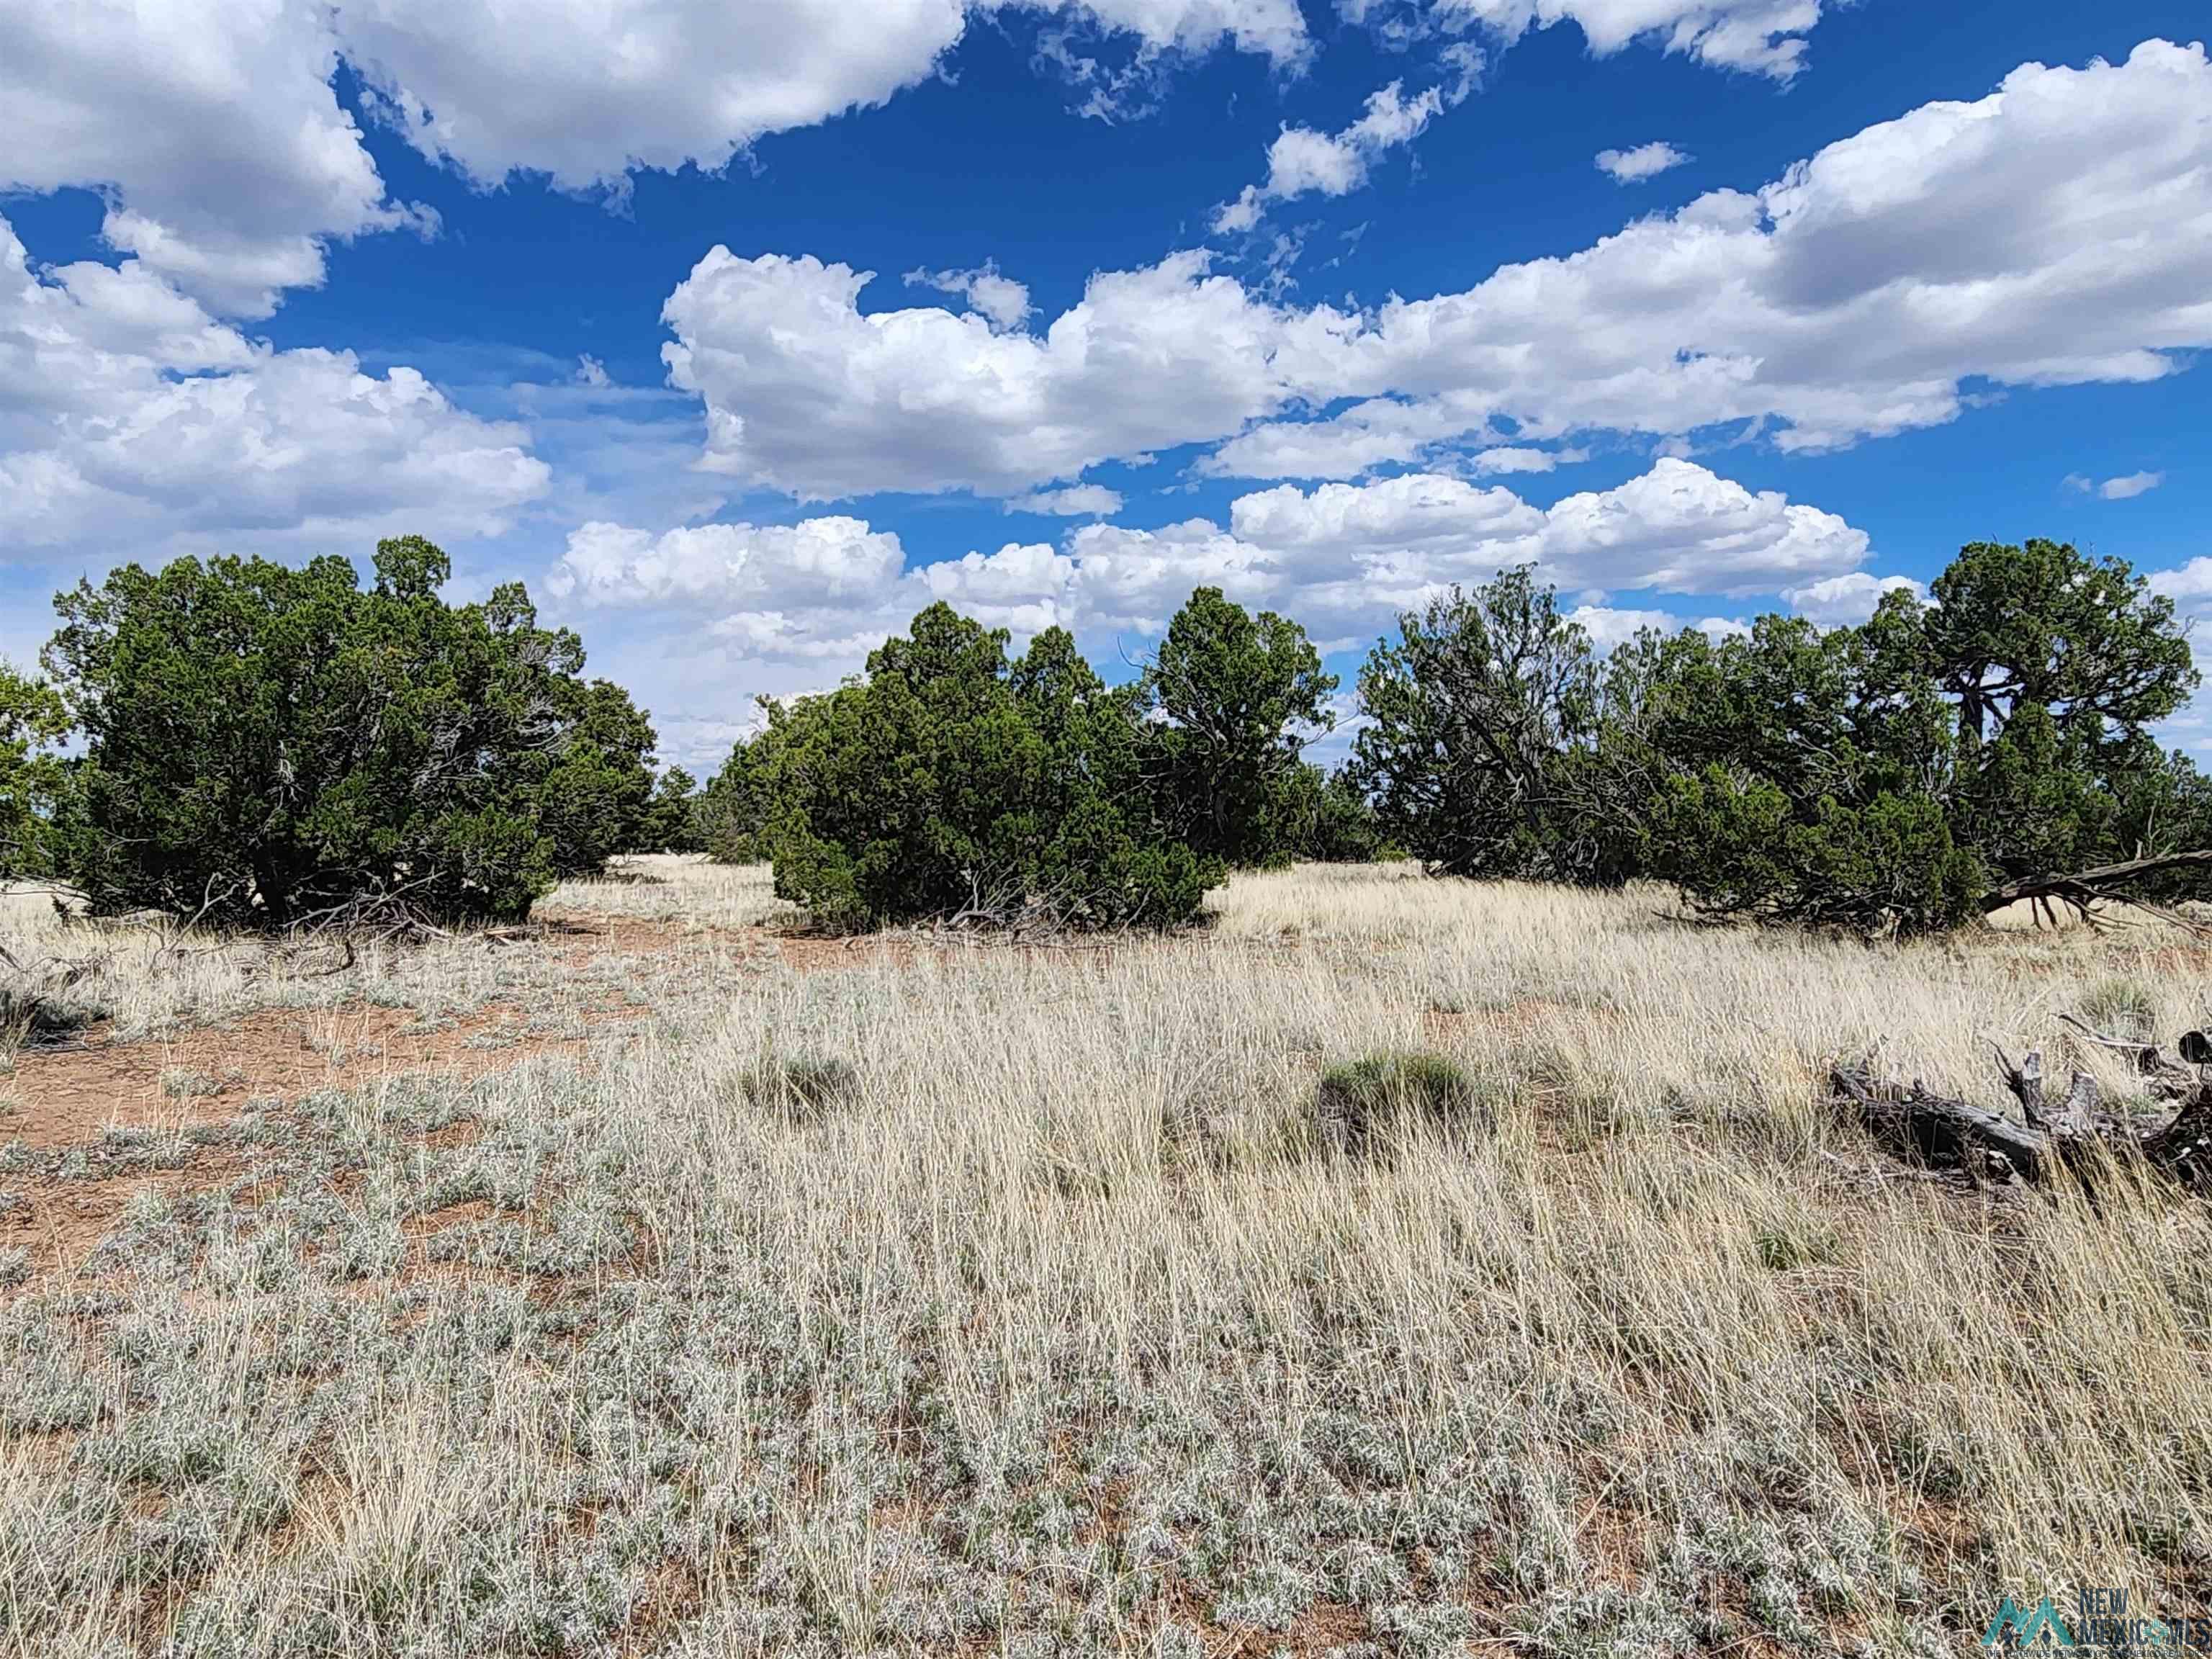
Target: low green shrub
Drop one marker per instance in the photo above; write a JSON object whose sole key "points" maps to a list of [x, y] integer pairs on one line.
{"points": [[1360, 1104]]}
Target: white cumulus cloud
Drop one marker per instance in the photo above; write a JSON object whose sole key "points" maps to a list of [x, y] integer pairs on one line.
{"points": [[229, 165], [998, 298], [1342, 560], [1076, 502], [805, 393], [2058, 231], [1633, 166], [589, 90], [819, 562], [211, 124], [1678, 528], [1608, 627], [1838, 601], [129, 414]]}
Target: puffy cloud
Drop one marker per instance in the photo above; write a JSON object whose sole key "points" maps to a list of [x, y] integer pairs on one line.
{"points": [[1633, 166], [2119, 490], [1077, 501], [1341, 560], [1302, 160], [805, 393], [1837, 601], [1608, 628], [211, 125], [592, 89], [589, 89], [229, 163], [1137, 579], [1678, 528], [819, 562], [1374, 433], [1022, 587], [2190, 588], [127, 413], [2058, 231], [998, 299]]}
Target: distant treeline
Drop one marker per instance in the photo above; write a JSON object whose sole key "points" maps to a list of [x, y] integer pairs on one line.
{"points": [[1947, 758], [262, 745]]}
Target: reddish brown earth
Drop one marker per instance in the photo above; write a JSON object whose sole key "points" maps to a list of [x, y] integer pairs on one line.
{"points": [[69, 1097]]}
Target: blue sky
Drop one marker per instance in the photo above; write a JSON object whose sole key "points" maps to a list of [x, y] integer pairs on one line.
{"points": [[1330, 303]]}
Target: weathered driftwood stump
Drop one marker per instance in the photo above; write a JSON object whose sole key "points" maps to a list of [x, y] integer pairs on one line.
{"points": [[2074, 1130]]}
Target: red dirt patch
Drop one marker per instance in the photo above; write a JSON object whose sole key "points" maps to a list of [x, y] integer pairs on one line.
{"points": [[68, 1097], [207, 1075], [577, 939], [60, 1222]]}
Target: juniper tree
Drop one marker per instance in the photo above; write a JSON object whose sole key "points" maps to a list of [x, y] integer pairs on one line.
{"points": [[1237, 699], [32, 721], [265, 742]]}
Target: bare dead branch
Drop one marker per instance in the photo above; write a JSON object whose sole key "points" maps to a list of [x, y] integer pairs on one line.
{"points": [[2076, 1132]]}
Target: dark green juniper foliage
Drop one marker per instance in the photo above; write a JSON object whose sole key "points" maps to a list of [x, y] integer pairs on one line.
{"points": [[950, 783], [732, 813], [263, 743], [1239, 697], [2057, 663], [1479, 715], [673, 822], [1938, 762], [1794, 775], [32, 721], [1324, 818]]}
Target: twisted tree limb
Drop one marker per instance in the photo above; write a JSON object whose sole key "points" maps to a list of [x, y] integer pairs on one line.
{"points": [[2074, 1133], [2103, 885]]}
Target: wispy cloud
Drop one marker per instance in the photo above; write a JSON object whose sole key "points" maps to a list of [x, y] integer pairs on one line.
{"points": [[2117, 489], [1633, 166]]}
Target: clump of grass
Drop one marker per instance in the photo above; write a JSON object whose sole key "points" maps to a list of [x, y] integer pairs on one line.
{"points": [[804, 1087], [179, 1082], [1361, 1103], [2124, 1009]]}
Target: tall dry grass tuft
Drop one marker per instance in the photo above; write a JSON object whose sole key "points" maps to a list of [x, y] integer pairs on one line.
{"points": [[1058, 1326]]}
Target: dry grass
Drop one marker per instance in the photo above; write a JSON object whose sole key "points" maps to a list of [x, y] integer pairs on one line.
{"points": [[1055, 1328]]}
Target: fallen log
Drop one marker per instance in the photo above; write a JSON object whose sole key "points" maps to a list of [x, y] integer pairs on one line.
{"points": [[2074, 1131]]}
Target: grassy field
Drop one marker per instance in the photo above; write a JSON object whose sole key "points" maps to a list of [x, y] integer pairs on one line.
{"points": [[660, 1282]]}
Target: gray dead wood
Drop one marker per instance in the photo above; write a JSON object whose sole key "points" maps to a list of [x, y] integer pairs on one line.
{"points": [[2073, 1130]]}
